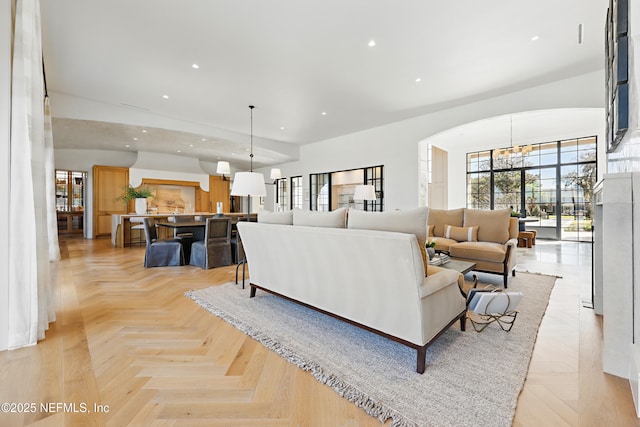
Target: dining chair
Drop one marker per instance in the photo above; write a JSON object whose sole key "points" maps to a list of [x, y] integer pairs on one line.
{"points": [[237, 250], [215, 249], [160, 253]]}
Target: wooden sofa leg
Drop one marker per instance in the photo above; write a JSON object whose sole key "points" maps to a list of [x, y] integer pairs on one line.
{"points": [[252, 293], [463, 322], [422, 359]]}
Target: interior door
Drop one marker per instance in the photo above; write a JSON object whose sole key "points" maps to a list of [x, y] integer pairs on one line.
{"points": [[108, 185]]}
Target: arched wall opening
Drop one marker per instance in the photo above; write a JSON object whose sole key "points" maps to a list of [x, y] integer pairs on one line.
{"points": [[500, 132]]}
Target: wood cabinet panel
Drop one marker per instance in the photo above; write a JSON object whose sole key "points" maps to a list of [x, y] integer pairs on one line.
{"points": [[108, 184], [202, 201], [219, 191]]}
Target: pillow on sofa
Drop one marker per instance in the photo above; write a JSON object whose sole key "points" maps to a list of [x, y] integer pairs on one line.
{"points": [[493, 225], [333, 219], [439, 217], [461, 234], [410, 221], [268, 217]]}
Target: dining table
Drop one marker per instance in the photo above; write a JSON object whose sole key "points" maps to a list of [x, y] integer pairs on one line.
{"points": [[195, 228]]}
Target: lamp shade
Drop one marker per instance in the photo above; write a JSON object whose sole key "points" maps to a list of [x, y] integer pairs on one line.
{"points": [[275, 173], [364, 192], [223, 168], [248, 184]]}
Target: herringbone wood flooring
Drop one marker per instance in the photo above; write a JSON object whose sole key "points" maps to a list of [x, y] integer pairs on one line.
{"points": [[126, 338]]}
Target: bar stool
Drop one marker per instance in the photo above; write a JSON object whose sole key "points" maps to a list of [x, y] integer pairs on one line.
{"points": [[525, 239], [137, 223]]}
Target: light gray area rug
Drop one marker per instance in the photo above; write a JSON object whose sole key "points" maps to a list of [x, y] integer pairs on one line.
{"points": [[471, 378]]}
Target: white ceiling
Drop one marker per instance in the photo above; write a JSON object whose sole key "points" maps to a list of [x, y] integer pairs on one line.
{"points": [[293, 60]]}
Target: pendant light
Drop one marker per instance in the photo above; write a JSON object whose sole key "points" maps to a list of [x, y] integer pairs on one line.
{"points": [[249, 183]]}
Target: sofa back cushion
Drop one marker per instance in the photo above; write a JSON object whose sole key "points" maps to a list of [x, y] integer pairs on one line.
{"points": [[493, 225], [410, 221], [268, 217], [461, 234], [441, 217], [332, 219]]}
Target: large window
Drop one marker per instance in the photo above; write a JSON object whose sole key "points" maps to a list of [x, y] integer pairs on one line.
{"points": [[281, 194], [332, 190], [296, 192], [320, 189], [551, 185], [373, 176]]}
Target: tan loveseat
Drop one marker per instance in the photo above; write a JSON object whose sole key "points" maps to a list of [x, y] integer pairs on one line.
{"points": [[486, 237]]}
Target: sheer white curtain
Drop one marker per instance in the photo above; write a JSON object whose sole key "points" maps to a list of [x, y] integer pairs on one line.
{"points": [[30, 303], [50, 173]]}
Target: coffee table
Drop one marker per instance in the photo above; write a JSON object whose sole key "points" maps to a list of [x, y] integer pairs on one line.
{"points": [[460, 266]]}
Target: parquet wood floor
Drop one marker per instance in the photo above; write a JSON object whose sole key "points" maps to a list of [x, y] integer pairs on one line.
{"points": [[127, 341]]}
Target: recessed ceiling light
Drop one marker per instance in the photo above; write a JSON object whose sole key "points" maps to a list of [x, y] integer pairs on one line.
{"points": [[127, 146], [371, 43], [144, 131], [179, 151], [196, 66], [281, 127], [190, 145], [418, 80], [135, 139], [534, 38], [165, 96], [204, 139], [233, 154], [324, 113]]}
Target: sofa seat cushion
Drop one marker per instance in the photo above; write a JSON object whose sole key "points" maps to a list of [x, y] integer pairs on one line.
{"points": [[443, 244], [485, 251]]}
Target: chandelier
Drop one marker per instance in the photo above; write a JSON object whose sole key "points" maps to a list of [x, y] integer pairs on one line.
{"points": [[512, 150]]}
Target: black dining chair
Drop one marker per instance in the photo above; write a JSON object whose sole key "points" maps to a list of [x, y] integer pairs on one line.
{"points": [[215, 249], [161, 253], [237, 249]]}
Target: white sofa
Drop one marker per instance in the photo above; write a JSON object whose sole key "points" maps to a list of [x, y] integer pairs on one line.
{"points": [[373, 279]]}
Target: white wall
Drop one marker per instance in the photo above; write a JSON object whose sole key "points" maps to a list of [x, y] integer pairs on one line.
{"points": [[397, 145], [621, 294], [5, 169]]}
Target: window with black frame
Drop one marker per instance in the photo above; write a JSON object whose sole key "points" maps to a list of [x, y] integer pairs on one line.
{"points": [[374, 176], [320, 191], [296, 192], [551, 184], [281, 194]]}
